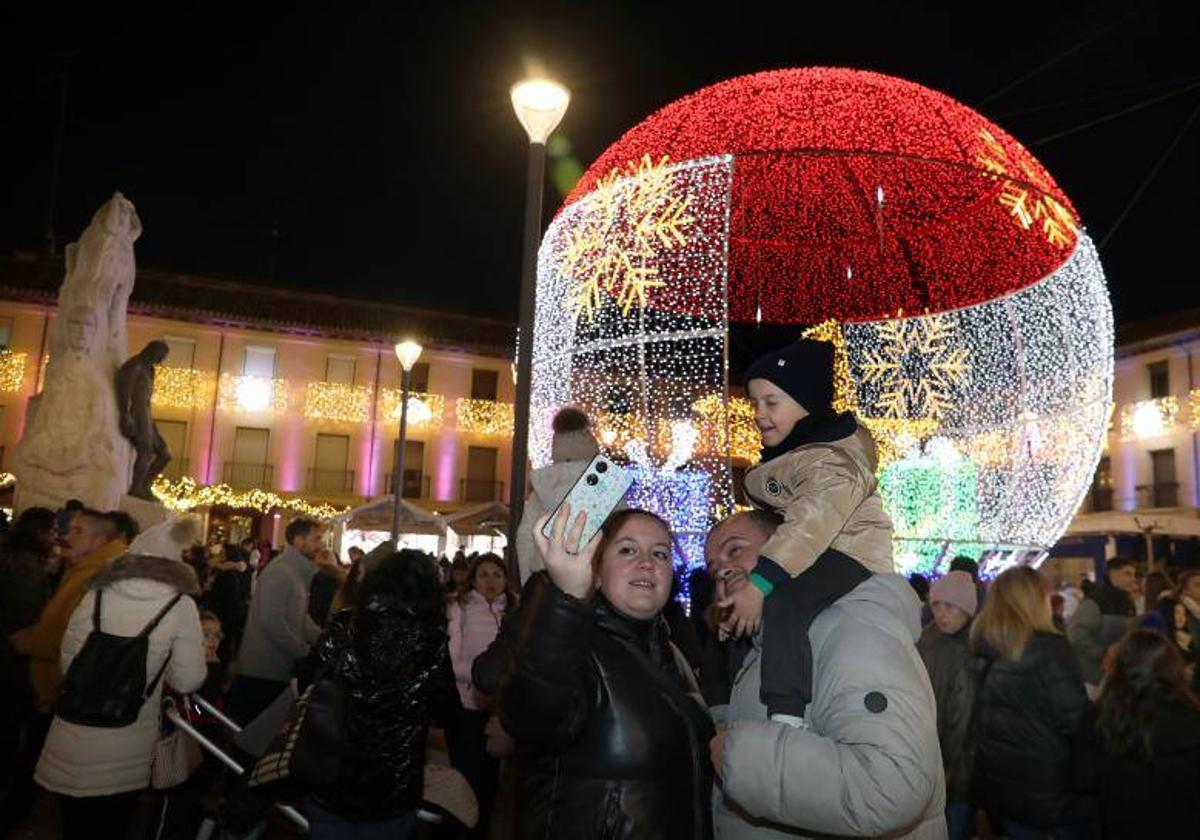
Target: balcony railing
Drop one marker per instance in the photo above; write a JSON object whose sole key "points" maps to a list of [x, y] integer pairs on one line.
{"points": [[331, 482], [248, 475], [480, 490], [177, 468], [416, 485], [1161, 495]]}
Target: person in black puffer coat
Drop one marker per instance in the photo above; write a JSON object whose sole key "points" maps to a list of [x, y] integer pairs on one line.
{"points": [[610, 732], [228, 596], [1031, 699], [1139, 750], [390, 652]]}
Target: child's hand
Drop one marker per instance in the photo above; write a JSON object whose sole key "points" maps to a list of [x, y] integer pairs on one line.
{"points": [[744, 611]]}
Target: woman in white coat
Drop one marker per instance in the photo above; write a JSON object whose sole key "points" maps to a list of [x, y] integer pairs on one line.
{"points": [[98, 772]]}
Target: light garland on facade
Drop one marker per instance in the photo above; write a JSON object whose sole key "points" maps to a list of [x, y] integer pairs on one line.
{"points": [[185, 494], [487, 418], [425, 411], [176, 387], [338, 402], [12, 370], [253, 394], [1149, 419], [1194, 409]]}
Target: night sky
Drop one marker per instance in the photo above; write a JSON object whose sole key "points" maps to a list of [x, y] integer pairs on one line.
{"points": [[373, 151]]}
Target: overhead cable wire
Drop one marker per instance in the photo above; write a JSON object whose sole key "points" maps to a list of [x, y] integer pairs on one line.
{"points": [[1095, 97], [1146, 103], [1062, 55], [1158, 165]]}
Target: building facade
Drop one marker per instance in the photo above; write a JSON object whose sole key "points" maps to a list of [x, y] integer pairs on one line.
{"points": [[1150, 461], [292, 393]]}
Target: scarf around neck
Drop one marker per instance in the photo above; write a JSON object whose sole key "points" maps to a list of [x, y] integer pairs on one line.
{"points": [[825, 427]]}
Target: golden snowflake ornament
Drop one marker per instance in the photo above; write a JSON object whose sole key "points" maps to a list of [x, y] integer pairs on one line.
{"points": [[917, 367], [631, 217]]}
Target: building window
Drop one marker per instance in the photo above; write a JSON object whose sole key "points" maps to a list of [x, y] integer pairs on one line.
{"points": [[1102, 486], [174, 435], [329, 474], [480, 485], [484, 384], [259, 361], [182, 351], [340, 369], [1160, 380], [1164, 492], [251, 451], [420, 377], [416, 483]]}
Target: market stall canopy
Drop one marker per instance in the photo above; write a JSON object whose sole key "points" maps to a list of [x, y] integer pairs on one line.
{"points": [[1175, 524], [488, 519], [377, 516]]}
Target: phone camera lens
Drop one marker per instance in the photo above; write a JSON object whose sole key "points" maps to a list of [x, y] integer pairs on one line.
{"points": [[593, 479], [602, 467]]}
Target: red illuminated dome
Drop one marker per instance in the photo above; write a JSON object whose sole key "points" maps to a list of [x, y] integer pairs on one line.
{"points": [[856, 195]]}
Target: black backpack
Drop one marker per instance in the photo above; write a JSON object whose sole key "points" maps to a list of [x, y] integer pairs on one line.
{"points": [[106, 683]]}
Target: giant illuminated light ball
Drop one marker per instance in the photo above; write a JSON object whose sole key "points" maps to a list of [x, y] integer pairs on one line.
{"points": [[967, 305]]}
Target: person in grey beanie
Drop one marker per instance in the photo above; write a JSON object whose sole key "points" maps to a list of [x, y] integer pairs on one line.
{"points": [[571, 448]]}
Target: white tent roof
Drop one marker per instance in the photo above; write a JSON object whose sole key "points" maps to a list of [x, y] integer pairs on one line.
{"points": [[376, 515], [1177, 523], [490, 518]]}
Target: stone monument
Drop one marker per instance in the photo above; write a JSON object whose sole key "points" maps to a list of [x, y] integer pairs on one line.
{"points": [[135, 387], [72, 447]]}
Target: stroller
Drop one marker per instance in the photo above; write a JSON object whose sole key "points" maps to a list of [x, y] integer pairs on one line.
{"points": [[448, 808]]}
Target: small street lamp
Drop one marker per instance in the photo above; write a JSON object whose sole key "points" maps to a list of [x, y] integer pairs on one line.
{"points": [[540, 104], [407, 352]]}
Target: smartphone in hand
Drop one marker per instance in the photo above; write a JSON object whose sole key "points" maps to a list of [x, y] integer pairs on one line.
{"points": [[597, 493]]}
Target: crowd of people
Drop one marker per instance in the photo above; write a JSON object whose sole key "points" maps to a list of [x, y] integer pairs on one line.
{"points": [[810, 692]]}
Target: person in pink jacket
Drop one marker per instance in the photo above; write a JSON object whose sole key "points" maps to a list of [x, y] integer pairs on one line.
{"points": [[473, 620]]}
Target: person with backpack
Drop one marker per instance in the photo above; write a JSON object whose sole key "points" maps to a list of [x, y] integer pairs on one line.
{"points": [[134, 629]]}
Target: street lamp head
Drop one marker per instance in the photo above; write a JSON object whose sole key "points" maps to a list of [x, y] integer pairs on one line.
{"points": [[408, 352], [540, 105]]}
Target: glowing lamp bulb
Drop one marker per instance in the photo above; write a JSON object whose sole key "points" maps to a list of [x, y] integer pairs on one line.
{"points": [[1147, 420], [419, 411], [408, 352], [253, 393], [540, 105]]}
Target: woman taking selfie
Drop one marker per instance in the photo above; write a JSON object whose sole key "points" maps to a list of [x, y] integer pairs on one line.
{"points": [[602, 705]]}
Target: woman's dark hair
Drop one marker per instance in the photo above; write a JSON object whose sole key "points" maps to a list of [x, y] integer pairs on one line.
{"points": [[402, 582], [1148, 672], [25, 534], [497, 561], [616, 521]]}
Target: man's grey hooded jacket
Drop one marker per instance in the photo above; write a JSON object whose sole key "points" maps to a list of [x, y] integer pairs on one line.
{"points": [[866, 761]]}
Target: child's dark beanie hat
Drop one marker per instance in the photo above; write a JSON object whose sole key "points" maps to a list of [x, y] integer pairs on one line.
{"points": [[803, 370]]}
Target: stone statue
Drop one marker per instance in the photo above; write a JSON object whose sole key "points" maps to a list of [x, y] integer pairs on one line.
{"points": [[135, 387], [72, 446]]}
